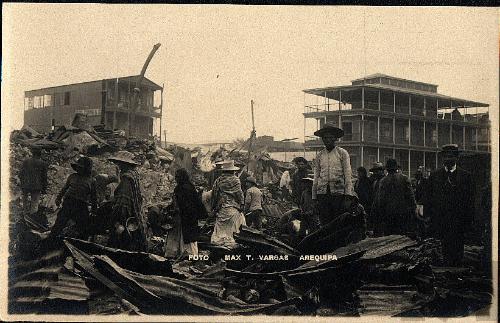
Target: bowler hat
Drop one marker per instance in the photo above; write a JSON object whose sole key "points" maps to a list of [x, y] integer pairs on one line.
{"points": [[450, 149], [83, 163], [251, 179], [377, 166], [124, 156], [329, 128], [228, 165], [391, 164]]}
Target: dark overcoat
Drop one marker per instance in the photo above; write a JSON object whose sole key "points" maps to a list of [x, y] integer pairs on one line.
{"points": [[450, 206]]}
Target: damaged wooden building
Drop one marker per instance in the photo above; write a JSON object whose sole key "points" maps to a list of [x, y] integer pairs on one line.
{"points": [[107, 102], [388, 117]]}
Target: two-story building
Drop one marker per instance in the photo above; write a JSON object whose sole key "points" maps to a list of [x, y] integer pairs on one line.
{"points": [[387, 117], [106, 102]]}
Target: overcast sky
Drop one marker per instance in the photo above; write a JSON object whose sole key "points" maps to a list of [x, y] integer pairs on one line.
{"points": [[215, 59]]}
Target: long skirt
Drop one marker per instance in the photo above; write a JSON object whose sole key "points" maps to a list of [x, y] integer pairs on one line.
{"points": [[175, 246], [228, 221]]}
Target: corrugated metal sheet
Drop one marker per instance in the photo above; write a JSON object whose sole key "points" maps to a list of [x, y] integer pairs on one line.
{"points": [[37, 283], [272, 210], [386, 300]]}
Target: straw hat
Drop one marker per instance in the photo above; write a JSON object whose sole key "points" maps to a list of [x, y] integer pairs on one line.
{"points": [[228, 165], [124, 156]]}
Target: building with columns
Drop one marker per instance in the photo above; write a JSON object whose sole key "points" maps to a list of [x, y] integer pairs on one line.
{"points": [[388, 117]]}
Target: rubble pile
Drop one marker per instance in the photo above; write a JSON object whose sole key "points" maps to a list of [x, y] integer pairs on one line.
{"points": [[336, 270]]}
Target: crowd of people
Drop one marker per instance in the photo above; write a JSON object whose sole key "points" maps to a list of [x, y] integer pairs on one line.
{"points": [[440, 205]]}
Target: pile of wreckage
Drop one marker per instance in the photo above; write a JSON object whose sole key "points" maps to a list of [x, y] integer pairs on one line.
{"points": [[336, 270]]}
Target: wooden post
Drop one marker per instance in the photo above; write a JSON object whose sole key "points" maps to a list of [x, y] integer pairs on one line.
{"points": [[116, 103], [161, 109], [362, 98], [378, 129], [362, 155], [340, 109], [379, 100], [103, 102], [394, 130]]}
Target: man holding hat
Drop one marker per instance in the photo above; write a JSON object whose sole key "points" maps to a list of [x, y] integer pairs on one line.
{"points": [[394, 203], [449, 203], [332, 174], [253, 204]]}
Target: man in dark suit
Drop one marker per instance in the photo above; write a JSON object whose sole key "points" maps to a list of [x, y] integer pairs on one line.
{"points": [[449, 204]]}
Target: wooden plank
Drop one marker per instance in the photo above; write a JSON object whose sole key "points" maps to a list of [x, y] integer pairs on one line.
{"points": [[84, 261]]}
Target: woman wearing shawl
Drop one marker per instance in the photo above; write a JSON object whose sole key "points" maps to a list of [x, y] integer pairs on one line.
{"points": [[227, 201], [130, 226], [191, 209]]}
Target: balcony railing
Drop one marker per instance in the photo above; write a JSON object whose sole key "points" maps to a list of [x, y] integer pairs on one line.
{"points": [[481, 118]]}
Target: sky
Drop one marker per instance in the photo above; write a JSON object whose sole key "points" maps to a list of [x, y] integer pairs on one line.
{"points": [[215, 59]]}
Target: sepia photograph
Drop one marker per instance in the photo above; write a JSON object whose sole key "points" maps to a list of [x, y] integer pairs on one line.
{"points": [[167, 162]]}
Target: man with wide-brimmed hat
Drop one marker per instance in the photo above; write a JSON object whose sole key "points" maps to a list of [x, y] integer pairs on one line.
{"points": [[394, 203], [130, 228], [227, 203], [33, 180], [332, 174], [253, 203], [449, 202], [77, 195]]}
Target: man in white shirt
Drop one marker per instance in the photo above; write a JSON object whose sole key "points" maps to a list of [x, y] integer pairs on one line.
{"points": [[332, 174]]}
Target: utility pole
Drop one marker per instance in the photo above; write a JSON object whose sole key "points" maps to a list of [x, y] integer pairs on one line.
{"points": [[252, 134], [161, 110], [165, 136]]}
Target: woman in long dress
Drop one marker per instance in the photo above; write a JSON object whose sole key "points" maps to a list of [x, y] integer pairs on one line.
{"points": [[227, 202]]}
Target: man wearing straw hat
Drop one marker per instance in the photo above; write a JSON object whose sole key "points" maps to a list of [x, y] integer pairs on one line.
{"points": [[332, 174], [227, 202], [449, 203], [130, 227]]}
